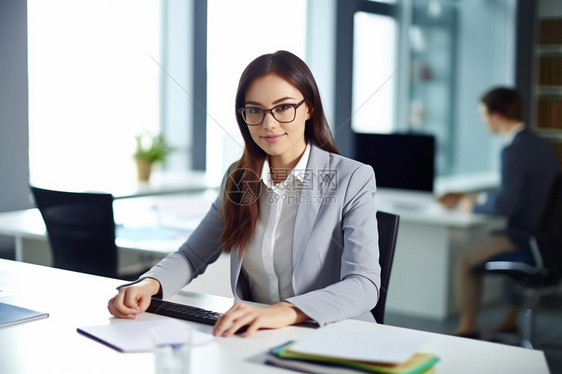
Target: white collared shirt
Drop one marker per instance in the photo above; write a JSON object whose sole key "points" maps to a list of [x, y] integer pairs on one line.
{"points": [[267, 259]]}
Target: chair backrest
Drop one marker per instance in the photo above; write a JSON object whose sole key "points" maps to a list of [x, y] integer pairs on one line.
{"points": [[81, 230], [550, 231], [388, 232]]}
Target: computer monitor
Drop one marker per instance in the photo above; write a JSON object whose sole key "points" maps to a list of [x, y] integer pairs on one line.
{"points": [[402, 161]]}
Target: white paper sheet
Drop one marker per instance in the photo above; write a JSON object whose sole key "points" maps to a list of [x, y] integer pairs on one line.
{"points": [[134, 336], [378, 347]]}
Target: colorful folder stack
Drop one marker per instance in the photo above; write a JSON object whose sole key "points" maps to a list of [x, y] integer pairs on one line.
{"points": [[338, 352], [283, 356]]}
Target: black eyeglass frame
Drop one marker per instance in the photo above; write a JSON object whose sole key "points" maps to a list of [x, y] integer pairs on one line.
{"points": [[270, 110]]}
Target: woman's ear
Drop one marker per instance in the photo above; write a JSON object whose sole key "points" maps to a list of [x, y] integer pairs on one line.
{"points": [[309, 113]]}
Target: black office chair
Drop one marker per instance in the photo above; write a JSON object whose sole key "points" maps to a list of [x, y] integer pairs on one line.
{"points": [[535, 273], [388, 232], [81, 231]]}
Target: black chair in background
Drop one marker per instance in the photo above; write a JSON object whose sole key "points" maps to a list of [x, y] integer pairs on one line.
{"points": [[536, 274], [81, 231], [388, 232]]}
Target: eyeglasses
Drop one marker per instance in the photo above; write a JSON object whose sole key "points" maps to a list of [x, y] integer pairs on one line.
{"points": [[283, 113]]}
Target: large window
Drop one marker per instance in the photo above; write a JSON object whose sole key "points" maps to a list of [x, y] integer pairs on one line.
{"points": [[103, 71], [374, 73], [93, 86]]}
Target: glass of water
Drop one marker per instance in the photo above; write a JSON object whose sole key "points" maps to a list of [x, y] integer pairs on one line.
{"points": [[172, 349]]}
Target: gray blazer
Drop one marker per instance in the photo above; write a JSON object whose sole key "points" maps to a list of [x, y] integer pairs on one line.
{"points": [[335, 256]]}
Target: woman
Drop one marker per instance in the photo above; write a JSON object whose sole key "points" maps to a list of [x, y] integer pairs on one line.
{"points": [[297, 218]]}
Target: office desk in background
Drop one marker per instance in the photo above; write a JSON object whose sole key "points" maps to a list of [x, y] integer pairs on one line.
{"points": [[161, 183], [152, 225], [74, 300], [148, 229], [430, 240]]}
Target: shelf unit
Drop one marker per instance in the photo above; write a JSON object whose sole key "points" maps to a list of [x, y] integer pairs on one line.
{"points": [[548, 80]]}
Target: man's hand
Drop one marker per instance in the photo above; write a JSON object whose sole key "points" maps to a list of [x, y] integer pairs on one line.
{"points": [[466, 203], [451, 199]]}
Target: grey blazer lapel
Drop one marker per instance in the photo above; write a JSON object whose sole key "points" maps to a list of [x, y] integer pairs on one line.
{"points": [[316, 183]]}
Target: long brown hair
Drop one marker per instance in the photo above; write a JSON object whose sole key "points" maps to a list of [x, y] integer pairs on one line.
{"points": [[240, 206]]}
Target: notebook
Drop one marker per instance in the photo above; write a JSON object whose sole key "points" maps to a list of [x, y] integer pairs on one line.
{"points": [[12, 314], [134, 336]]}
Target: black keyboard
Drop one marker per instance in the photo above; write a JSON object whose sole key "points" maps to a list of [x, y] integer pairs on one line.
{"points": [[182, 311]]}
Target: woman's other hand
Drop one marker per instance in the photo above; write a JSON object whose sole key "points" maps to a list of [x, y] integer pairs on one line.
{"points": [[274, 316]]}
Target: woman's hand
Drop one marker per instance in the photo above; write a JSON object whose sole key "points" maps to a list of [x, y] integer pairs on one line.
{"points": [[274, 316], [133, 299]]}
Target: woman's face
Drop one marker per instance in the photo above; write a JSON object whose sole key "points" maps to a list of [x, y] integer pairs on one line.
{"points": [[283, 142]]}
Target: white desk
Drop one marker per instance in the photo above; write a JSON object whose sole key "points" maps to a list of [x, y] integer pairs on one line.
{"points": [[430, 240], [73, 300]]}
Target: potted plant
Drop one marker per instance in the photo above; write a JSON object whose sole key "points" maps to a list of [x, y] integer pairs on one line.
{"points": [[149, 150]]}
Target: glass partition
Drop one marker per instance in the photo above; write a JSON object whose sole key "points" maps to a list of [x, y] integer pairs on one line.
{"points": [[431, 36]]}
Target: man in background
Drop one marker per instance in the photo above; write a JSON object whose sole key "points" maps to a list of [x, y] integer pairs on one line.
{"points": [[528, 167]]}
